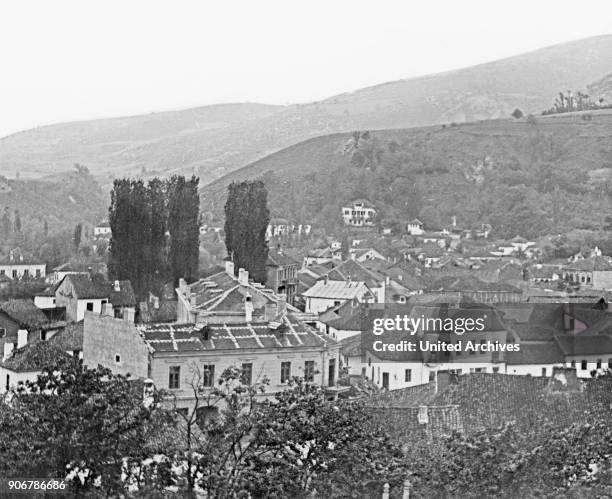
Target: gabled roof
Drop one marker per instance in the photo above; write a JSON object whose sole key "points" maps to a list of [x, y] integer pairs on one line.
{"points": [[24, 313], [34, 357], [88, 287], [355, 271], [70, 338], [292, 333], [415, 221], [469, 283], [125, 297], [343, 317], [278, 259], [340, 290], [590, 264]]}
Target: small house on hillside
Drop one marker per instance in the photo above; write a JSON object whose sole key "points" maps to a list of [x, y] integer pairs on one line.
{"points": [[359, 214]]}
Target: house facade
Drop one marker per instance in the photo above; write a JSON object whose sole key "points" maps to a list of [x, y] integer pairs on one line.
{"points": [[360, 213], [16, 266], [282, 278], [327, 293]]}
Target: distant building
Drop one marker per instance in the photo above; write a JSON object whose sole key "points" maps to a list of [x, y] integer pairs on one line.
{"points": [[361, 213], [103, 229], [415, 227], [282, 276], [69, 268], [327, 293], [594, 272], [17, 266]]}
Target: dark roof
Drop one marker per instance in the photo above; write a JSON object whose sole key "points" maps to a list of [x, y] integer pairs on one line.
{"points": [[277, 259], [344, 317], [165, 313], [292, 333], [34, 357], [355, 271], [86, 286], [536, 353], [590, 264], [25, 313], [351, 346], [470, 283], [84, 268], [70, 338], [582, 344], [124, 297]]}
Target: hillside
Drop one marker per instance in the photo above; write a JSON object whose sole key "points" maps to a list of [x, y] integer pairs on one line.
{"points": [[62, 202], [214, 140], [530, 176]]}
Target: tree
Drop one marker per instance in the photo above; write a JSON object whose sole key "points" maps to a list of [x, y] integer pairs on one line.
{"points": [[17, 222], [7, 224], [246, 221], [78, 420], [76, 238], [46, 228], [184, 226], [517, 113]]}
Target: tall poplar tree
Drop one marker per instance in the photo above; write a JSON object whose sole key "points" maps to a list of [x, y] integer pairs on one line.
{"points": [[184, 227], [246, 220]]}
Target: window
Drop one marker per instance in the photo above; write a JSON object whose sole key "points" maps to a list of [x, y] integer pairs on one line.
{"points": [[609, 360], [543, 371], [89, 306], [583, 365], [598, 364], [285, 371], [496, 369], [2, 332], [2, 272], [117, 359], [573, 364], [26, 273], [246, 377], [408, 375], [208, 375], [309, 370], [174, 377], [38, 273], [43, 335], [8, 382], [14, 274]]}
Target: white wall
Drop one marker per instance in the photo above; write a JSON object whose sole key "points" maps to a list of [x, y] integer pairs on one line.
{"points": [[82, 307], [44, 301]]}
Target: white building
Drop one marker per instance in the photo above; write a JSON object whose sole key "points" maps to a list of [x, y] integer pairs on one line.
{"points": [[327, 293], [361, 213]]}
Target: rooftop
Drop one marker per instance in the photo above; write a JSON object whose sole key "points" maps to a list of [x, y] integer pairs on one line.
{"points": [[34, 357], [341, 290], [290, 333], [25, 313], [590, 264]]}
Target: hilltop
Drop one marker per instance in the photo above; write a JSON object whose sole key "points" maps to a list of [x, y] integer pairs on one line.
{"points": [[531, 176], [212, 141]]}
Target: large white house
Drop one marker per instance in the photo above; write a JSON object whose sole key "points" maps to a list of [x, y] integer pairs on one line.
{"points": [[327, 293], [361, 213]]}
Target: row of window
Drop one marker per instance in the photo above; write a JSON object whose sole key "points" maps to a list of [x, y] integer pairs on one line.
{"points": [[26, 273], [208, 374], [584, 364]]}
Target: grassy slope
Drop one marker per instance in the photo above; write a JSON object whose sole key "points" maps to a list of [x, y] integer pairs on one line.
{"points": [[513, 159], [214, 140]]}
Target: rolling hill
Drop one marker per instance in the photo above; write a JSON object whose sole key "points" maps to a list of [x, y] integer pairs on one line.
{"points": [[531, 176], [215, 140]]}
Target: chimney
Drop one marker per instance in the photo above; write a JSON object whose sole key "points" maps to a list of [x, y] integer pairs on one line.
{"points": [[229, 268], [22, 338], [387, 280], [117, 286], [129, 314], [248, 307], [11, 256], [270, 311], [454, 221], [243, 277], [8, 350], [326, 279], [107, 310], [182, 285], [156, 302], [282, 304], [193, 299]]}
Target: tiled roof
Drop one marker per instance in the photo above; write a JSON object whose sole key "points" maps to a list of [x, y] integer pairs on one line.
{"points": [[84, 268], [291, 333], [85, 286], [165, 313], [222, 292], [276, 259], [590, 264], [124, 297], [471, 283], [25, 313], [341, 290], [354, 271], [344, 317], [582, 344], [34, 357], [70, 338], [351, 346]]}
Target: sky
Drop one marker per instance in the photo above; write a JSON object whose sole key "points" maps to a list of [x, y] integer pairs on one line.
{"points": [[67, 60]]}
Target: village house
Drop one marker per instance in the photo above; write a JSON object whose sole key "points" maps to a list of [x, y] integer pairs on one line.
{"points": [[341, 321], [322, 255], [222, 295], [102, 230], [276, 346], [26, 362], [79, 293], [281, 273], [364, 254], [350, 355], [361, 213], [20, 321], [594, 272], [327, 293], [415, 227], [351, 270], [18, 266], [71, 268]]}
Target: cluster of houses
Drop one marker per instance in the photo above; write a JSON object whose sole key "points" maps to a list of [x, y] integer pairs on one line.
{"points": [[306, 319]]}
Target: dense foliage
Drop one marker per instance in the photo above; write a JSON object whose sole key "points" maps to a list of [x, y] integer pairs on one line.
{"points": [[246, 220], [141, 216]]}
